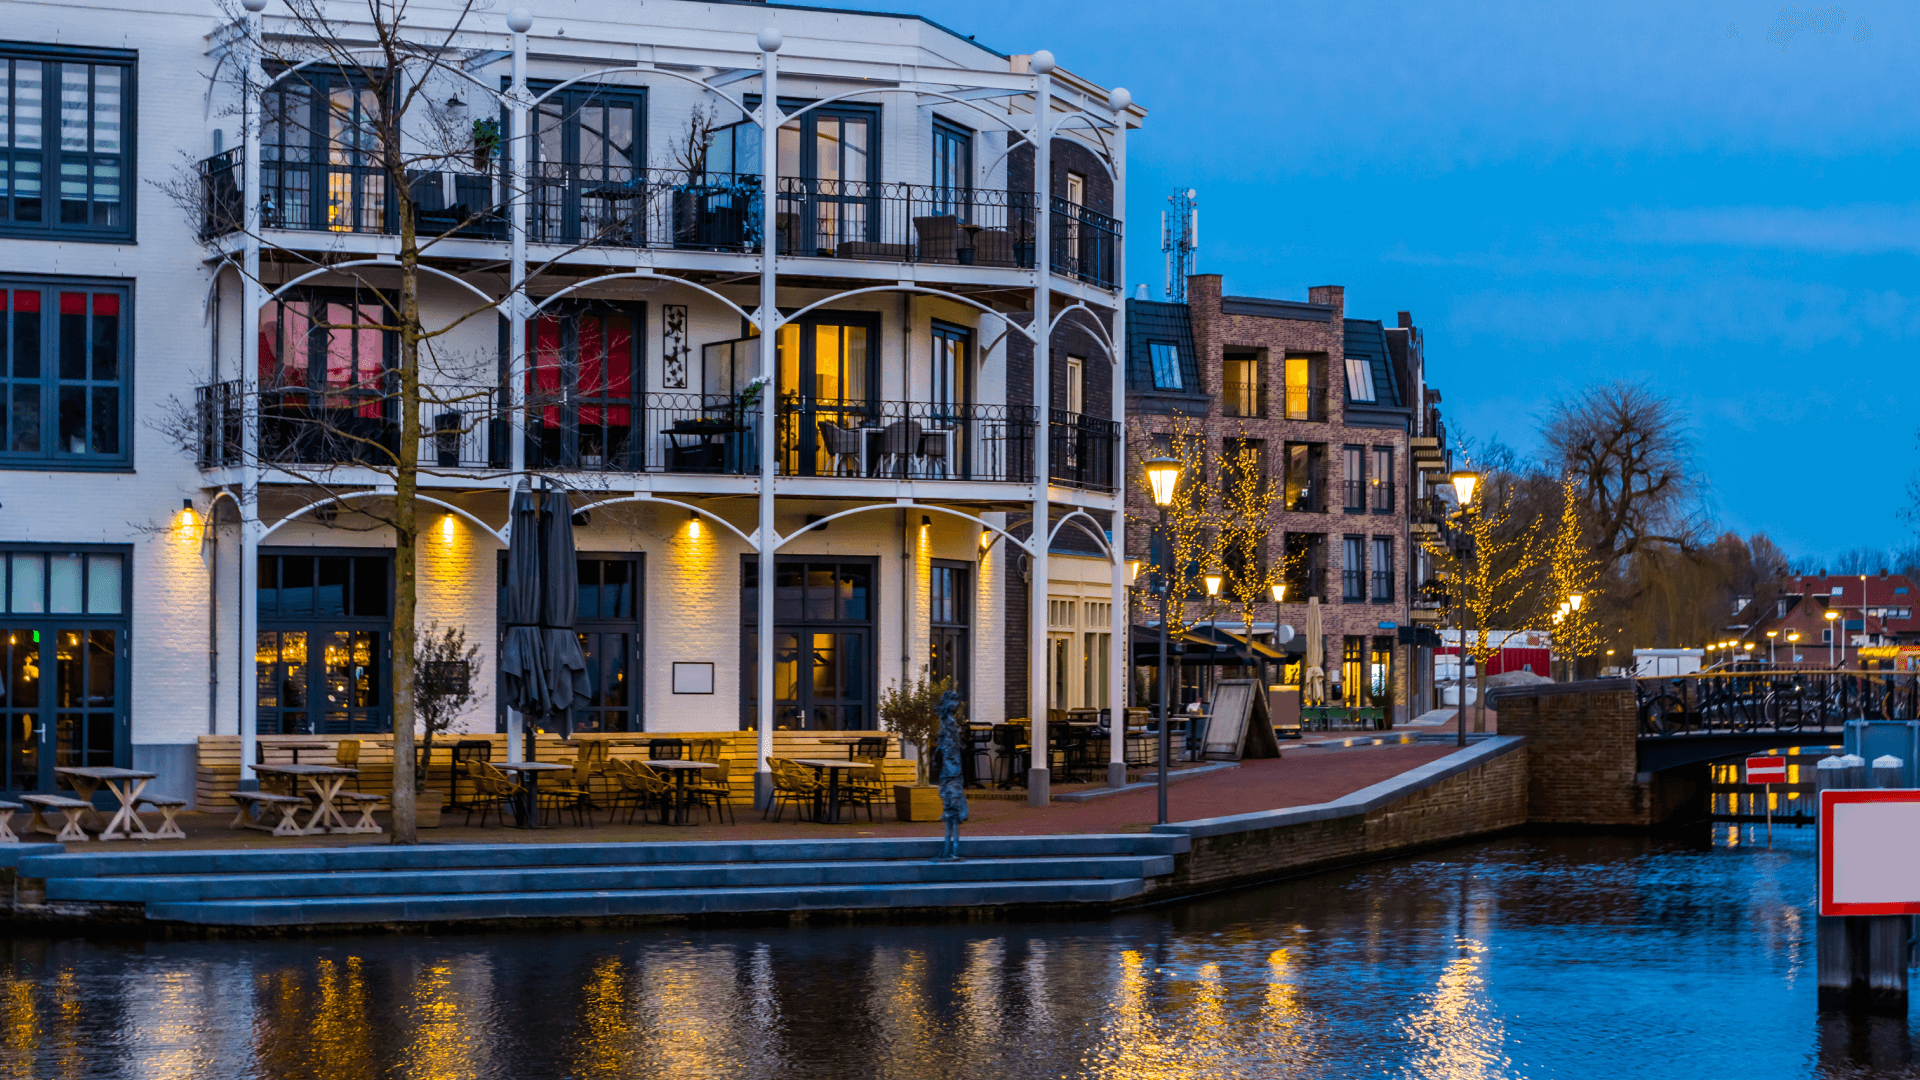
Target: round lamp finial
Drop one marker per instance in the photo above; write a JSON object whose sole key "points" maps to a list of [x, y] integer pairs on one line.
{"points": [[770, 40], [519, 20], [255, 6], [1042, 62], [1118, 99]]}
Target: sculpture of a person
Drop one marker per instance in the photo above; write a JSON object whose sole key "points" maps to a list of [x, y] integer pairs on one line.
{"points": [[952, 777]]}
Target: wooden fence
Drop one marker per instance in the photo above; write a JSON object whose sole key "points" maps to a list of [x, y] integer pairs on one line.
{"points": [[217, 774]]}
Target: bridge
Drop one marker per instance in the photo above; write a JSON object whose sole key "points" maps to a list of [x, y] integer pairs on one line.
{"points": [[1634, 751]]}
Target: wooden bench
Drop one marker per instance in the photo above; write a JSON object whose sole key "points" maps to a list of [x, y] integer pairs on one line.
{"points": [[71, 807], [363, 801], [288, 805], [7, 810], [169, 809]]}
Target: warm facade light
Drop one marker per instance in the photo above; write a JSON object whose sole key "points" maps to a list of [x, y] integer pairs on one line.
{"points": [[1133, 569], [446, 528], [1464, 481], [693, 526], [1576, 600], [1163, 473]]}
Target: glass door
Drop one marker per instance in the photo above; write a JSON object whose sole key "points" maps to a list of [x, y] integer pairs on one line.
{"points": [[829, 167], [582, 369], [63, 665], [823, 677], [825, 387], [321, 657]]}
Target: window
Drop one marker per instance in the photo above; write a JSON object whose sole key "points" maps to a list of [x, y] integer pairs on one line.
{"points": [[320, 154], [323, 649], [63, 663], [582, 373], [1353, 569], [324, 391], [1354, 460], [952, 170], [1097, 659], [1382, 570], [1353, 672], [1382, 480], [823, 678], [1166, 365], [1380, 673], [1359, 379], [66, 144], [1305, 569], [1076, 385], [950, 616], [951, 346], [65, 375], [1240, 389], [830, 174], [1306, 473], [585, 139], [1306, 389]]}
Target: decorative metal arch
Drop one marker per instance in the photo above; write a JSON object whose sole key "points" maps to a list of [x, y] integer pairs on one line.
{"points": [[1101, 335], [635, 69], [701, 510], [908, 505], [642, 274], [956, 297], [341, 499], [435, 271], [1097, 535]]}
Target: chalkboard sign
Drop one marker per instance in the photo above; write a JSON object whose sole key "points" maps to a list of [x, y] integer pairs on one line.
{"points": [[1241, 726]]}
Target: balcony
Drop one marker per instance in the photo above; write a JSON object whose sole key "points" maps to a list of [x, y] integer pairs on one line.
{"points": [[904, 440], [1301, 584], [1305, 496], [672, 209], [1080, 451], [1307, 401]]}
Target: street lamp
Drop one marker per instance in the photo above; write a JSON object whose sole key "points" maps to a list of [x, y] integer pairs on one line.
{"points": [[1574, 600], [1464, 481], [1771, 634], [1163, 475], [1214, 579], [1832, 633]]}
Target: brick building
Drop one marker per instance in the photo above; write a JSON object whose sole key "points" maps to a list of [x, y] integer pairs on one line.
{"points": [[1873, 627], [1343, 420]]}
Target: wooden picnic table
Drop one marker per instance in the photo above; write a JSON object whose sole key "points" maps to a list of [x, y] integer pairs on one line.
{"points": [[832, 766], [526, 809], [260, 749], [325, 782], [125, 784], [681, 768]]}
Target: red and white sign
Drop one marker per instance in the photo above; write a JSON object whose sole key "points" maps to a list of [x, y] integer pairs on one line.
{"points": [[1870, 852], [1766, 770]]}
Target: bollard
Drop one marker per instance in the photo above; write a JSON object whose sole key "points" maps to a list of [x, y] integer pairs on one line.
{"points": [[1857, 776], [1889, 772]]}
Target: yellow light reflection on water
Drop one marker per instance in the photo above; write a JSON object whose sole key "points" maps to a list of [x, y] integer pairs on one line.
{"points": [[1460, 1036]]}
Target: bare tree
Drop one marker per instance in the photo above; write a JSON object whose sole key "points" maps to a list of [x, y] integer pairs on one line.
{"points": [[1628, 450]]}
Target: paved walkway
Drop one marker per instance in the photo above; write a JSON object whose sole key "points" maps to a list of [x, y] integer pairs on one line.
{"points": [[1300, 777]]}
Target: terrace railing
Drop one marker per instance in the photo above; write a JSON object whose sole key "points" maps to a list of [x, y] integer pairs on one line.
{"points": [[1080, 453], [916, 440], [1083, 242]]}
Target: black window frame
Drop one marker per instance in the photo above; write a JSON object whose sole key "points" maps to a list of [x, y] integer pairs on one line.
{"points": [[589, 622], [1173, 368], [956, 629], [121, 622], [1382, 480], [51, 382], [565, 452], [952, 198], [561, 193], [1353, 572], [1352, 486], [50, 152], [314, 157], [314, 623], [1380, 581], [804, 622]]}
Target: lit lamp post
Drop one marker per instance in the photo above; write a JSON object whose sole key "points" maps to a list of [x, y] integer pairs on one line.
{"points": [[1464, 481], [1793, 639], [1833, 633], [1771, 634], [1163, 474]]}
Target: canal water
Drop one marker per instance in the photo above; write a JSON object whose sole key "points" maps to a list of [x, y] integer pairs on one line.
{"points": [[1536, 957]]}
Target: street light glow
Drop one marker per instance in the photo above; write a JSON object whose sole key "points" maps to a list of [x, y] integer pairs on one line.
{"points": [[1214, 581], [1463, 485], [1162, 474]]}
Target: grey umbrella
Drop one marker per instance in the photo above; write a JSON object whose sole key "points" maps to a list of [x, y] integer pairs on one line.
{"points": [[568, 686], [523, 669]]}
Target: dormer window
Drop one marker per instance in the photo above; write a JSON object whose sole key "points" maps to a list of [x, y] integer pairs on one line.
{"points": [[1359, 380]]}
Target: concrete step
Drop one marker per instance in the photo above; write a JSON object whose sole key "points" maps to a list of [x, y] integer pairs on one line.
{"points": [[576, 904], [172, 888], [11, 855], [431, 856]]}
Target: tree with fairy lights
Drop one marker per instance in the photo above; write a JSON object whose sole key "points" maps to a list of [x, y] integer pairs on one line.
{"points": [[1571, 573]]}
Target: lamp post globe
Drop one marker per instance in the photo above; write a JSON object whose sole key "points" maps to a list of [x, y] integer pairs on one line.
{"points": [[1163, 475], [1464, 482]]}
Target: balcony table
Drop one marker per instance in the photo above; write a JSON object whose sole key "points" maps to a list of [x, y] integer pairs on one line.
{"points": [[125, 784], [832, 767], [681, 768], [526, 808], [325, 782], [701, 453]]}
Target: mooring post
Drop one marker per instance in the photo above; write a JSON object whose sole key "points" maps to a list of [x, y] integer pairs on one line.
{"points": [[1833, 956], [1862, 959]]}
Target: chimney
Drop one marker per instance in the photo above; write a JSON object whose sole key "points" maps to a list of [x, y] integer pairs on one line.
{"points": [[1406, 320]]}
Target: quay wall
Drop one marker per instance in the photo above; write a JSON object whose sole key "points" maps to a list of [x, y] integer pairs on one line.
{"points": [[1479, 790], [1585, 766]]}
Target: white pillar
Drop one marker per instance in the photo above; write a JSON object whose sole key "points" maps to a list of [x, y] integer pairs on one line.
{"points": [[519, 22], [769, 316], [252, 297], [1121, 651], [1038, 777]]}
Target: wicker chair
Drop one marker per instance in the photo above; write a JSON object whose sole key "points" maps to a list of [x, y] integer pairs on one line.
{"points": [[865, 787], [843, 447], [791, 784], [666, 749], [900, 448], [576, 796], [492, 790], [939, 238], [713, 790], [346, 755]]}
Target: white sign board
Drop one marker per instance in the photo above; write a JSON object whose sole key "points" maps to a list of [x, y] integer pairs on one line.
{"points": [[1870, 852]]}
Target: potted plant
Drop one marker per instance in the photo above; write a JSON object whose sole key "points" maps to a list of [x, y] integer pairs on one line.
{"points": [[913, 713], [486, 143], [443, 682]]}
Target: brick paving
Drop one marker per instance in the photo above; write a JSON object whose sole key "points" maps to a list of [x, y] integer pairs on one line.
{"points": [[1300, 777]]}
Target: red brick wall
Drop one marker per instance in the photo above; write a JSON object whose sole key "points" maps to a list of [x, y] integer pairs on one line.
{"points": [[1585, 759]]}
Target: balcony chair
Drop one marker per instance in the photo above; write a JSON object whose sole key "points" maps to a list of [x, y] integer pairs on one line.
{"points": [[940, 240], [843, 446], [994, 247], [933, 452], [899, 448]]}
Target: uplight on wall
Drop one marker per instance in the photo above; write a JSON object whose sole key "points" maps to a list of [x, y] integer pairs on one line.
{"points": [[693, 525], [189, 520]]}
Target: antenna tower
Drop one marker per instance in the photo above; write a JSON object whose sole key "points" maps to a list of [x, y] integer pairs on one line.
{"points": [[1179, 239]]}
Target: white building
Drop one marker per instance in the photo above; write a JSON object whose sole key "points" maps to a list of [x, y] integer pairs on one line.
{"points": [[197, 408]]}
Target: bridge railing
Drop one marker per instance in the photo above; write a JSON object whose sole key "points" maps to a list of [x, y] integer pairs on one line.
{"points": [[1772, 701]]}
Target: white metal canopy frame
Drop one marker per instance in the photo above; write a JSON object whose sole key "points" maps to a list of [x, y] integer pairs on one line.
{"points": [[1047, 116]]}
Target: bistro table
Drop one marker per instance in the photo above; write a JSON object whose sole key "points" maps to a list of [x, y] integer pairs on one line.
{"points": [[680, 768], [325, 782], [526, 809], [833, 767], [125, 785], [294, 748]]}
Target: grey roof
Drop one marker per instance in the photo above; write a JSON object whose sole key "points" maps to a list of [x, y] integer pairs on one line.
{"points": [[1367, 339], [1275, 309], [1155, 320]]}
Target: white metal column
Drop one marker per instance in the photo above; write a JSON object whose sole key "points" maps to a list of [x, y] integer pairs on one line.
{"points": [[769, 316], [1038, 777], [518, 22], [1119, 617], [252, 296]]}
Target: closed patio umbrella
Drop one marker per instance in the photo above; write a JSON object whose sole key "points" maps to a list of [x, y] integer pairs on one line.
{"points": [[565, 665], [522, 665], [1316, 686]]}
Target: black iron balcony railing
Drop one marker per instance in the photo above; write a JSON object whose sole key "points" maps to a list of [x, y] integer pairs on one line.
{"points": [[1355, 492], [1080, 450], [1307, 402], [1381, 497], [1239, 397], [1083, 242], [222, 207], [1305, 495], [915, 440], [1382, 586]]}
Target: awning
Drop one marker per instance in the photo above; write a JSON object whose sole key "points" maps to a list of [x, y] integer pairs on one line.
{"points": [[1199, 646]]}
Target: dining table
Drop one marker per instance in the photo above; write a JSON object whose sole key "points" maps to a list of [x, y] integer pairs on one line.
{"points": [[125, 784], [526, 808], [832, 767], [681, 768], [323, 783], [294, 748]]}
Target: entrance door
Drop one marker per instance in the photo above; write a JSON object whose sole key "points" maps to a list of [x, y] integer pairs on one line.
{"points": [[321, 657], [63, 666], [823, 677]]}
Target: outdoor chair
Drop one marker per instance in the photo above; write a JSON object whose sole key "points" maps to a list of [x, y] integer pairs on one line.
{"points": [[864, 787], [492, 790], [939, 238], [346, 755], [899, 446], [933, 452], [465, 753], [993, 247], [666, 750], [979, 751], [1010, 765], [639, 787], [791, 784], [705, 749], [843, 448], [868, 749], [593, 757], [576, 796], [713, 790]]}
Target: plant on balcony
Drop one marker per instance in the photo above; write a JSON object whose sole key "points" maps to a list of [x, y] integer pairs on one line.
{"points": [[486, 143], [689, 151], [750, 394]]}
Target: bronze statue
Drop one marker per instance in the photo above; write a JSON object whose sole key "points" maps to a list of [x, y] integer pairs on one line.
{"points": [[952, 777]]}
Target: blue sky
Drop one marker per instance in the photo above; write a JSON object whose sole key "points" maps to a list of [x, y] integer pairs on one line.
{"points": [[1714, 198]]}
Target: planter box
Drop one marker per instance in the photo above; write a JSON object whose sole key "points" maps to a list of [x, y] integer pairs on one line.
{"points": [[916, 803]]}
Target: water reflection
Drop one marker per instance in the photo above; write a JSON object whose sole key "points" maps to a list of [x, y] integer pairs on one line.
{"points": [[1583, 957]]}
